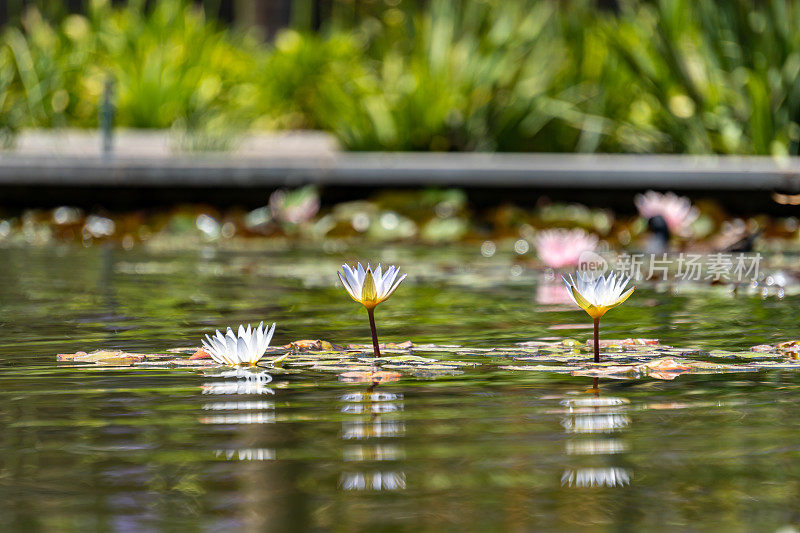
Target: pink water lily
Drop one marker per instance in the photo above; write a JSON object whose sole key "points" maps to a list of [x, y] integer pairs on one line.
{"points": [[678, 211], [559, 248]]}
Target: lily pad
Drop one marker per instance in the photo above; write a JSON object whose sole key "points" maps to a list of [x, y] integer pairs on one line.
{"points": [[624, 342], [105, 357], [200, 354], [383, 346], [311, 346], [539, 368], [370, 377], [621, 359]]}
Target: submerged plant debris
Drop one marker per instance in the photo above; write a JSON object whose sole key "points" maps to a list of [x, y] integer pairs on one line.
{"points": [[621, 359]]}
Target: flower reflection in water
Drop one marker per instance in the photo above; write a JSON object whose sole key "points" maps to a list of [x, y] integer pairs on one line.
{"points": [[370, 410], [596, 447], [595, 415], [596, 477], [247, 454], [241, 382], [373, 481], [377, 452], [247, 382]]}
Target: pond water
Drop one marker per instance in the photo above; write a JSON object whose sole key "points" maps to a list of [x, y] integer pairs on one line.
{"points": [[135, 449]]}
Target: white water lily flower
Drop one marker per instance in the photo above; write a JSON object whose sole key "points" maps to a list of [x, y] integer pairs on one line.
{"points": [[245, 348], [369, 287], [597, 296]]}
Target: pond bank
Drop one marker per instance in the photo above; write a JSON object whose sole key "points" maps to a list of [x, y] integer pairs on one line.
{"points": [[53, 168]]}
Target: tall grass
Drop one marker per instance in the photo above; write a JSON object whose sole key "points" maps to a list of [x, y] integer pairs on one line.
{"points": [[169, 66], [712, 76]]}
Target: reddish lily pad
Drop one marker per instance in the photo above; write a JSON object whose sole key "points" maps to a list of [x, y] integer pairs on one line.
{"points": [[764, 348], [665, 368], [200, 354], [370, 377]]}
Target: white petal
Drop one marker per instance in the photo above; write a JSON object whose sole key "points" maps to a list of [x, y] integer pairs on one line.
{"points": [[350, 289], [377, 276], [361, 274], [352, 279], [269, 334], [388, 281], [394, 287]]}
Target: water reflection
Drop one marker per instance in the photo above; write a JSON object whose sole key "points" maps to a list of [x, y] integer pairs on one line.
{"points": [[596, 415], [252, 411], [596, 477], [551, 292], [373, 481], [243, 382], [372, 415], [247, 454]]}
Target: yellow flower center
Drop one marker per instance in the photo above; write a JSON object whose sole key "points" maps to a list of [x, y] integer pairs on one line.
{"points": [[369, 294]]}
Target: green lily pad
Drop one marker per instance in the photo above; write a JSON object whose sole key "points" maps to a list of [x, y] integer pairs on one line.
{"points": [[625, 359]]}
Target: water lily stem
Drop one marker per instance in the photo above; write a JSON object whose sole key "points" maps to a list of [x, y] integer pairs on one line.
{"points": [[371, 313], [596, 340]]}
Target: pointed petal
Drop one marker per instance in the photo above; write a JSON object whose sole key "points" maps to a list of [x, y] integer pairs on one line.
{"points": [[361, 274], [394, 287], [242, 353], [350, 290], [388, 282], [368, 291], [622, 298], [377, 278], [231, 343], [569, 290], [352, 280], [269, 334], [582, 302]]}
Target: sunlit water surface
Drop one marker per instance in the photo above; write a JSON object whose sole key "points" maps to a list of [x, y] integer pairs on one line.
{"points": [[127, 449]]}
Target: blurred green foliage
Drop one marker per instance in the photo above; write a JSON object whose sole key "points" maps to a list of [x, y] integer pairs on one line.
{"points": [[170, 67], [684, 76]]}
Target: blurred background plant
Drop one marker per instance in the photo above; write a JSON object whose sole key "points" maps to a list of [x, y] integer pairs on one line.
{"points": [[170, 68], [683, 76], [711, 76], [458, 76]]}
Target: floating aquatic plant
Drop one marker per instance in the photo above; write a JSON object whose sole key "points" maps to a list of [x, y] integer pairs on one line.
{"points": [[294, 207], [371, 288], [677, 211], [558, 248], [631, 358], [243, 349], [596, 296]]}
